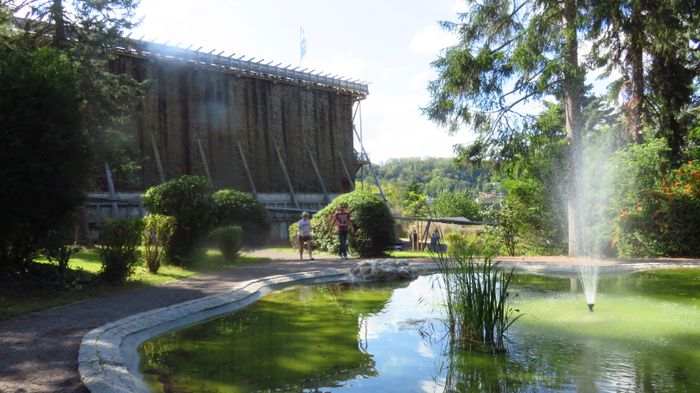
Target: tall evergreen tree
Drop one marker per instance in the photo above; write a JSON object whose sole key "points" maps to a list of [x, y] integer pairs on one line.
{"points": [[652, 45], [509, 53], [86, 31], [618, 34]]}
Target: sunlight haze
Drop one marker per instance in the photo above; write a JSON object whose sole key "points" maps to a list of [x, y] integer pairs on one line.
{"points": [[388, 44]]}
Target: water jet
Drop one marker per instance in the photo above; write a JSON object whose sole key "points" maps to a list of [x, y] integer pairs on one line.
{"points": [[588, 274]]}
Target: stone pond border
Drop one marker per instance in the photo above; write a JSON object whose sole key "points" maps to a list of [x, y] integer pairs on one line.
{"points": [[108, 358]]}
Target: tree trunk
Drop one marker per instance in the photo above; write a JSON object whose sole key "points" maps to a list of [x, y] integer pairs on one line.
{"points": [[573, 90], [59, 35], [635, 61]]}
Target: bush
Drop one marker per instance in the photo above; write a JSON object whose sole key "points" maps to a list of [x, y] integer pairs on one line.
{"points": [[372, 220], [155, 239], [665, 218], [229, 240], [44, 150], [511, 223], [294, 234], [189, 200], [234, 207], [456, 204], [118, 242], [457, 244], [58, 246], [481, 244]]}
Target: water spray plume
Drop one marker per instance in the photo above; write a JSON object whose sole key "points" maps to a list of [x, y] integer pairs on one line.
{"points": [[589, 280]]}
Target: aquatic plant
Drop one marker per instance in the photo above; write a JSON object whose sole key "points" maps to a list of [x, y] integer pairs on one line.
{"points": [[476, 299]]}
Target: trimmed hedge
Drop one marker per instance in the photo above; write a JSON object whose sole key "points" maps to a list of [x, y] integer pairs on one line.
{"points": [[189, 200], [229, 240], [117, 246], [371, 218], [233, 207]]}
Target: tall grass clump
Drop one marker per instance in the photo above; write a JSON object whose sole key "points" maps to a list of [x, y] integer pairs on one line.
{"points": [[476, 299]]}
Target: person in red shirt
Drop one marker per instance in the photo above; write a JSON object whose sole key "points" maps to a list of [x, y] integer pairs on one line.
{"points": [[341, 220]]}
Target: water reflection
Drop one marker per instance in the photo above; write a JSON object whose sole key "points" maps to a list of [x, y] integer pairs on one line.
{"points": [[642, 338]]}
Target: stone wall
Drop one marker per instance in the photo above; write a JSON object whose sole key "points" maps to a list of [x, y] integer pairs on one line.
{"points": [[184, 101]]}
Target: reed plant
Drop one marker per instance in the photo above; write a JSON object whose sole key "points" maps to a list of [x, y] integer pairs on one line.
{"points": [[476, 299]]}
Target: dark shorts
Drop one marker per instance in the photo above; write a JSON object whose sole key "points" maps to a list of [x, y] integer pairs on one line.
{"points": [[306, 238]]}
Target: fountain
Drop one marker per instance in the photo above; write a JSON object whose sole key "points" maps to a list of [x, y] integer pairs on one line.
{"points": [[392, 337], [588, 274]]}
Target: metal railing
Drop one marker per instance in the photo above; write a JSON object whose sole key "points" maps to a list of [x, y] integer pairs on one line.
{"points": [[237, 65]]}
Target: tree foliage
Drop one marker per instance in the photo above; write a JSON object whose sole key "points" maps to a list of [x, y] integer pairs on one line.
{"points": [[511, 53], [435, 174], [43, 150], [188, 199], [372, 219], [653, 45], [508, 53], [455, 204], [235, 207], [229, 240], [86, 31], [117, 245]]}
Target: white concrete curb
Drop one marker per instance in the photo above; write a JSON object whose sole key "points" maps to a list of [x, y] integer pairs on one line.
{"points": [[108, 358]]}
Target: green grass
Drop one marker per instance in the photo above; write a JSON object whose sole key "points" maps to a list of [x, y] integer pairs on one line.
{"points": [[14, 302], [295, 251], [409, 254], [281, 249], [391, 254]]}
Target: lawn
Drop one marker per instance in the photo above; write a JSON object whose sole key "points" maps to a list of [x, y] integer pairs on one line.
{"points": [[391, 254], [86, 264], [408, 254]]}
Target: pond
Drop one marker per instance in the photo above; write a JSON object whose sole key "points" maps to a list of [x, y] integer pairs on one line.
{"points": [[644, 335]]}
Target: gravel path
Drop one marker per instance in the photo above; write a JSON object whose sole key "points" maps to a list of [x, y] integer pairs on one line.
{"points": [[39, 351]]}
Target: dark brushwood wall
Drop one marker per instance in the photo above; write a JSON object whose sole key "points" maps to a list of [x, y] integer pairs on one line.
{"points": [[182, 100]]}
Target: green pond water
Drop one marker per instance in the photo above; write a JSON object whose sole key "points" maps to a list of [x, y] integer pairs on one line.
{"points": [[644, 336]]}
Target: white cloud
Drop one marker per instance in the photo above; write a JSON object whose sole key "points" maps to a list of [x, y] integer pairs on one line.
{"points": [[346, 64], [460, 6], [431, 40]]}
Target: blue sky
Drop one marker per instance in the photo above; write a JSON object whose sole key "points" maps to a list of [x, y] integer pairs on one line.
{"points": [[389, 44]]}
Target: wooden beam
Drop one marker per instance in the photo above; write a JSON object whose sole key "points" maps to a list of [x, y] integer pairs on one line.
{"points": [[247, 170], [156, 155], [201, 154], [286, 177], [318, 174], [112, 191], [345, 169]]}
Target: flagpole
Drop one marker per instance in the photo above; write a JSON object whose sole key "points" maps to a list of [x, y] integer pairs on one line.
{"points": [[302, 45]]}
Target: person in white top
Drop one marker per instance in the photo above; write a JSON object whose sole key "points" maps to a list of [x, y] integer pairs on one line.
{"points": [[305, 235]]}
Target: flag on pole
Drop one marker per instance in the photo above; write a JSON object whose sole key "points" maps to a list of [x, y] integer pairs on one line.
{"points": [[302, 44]]}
